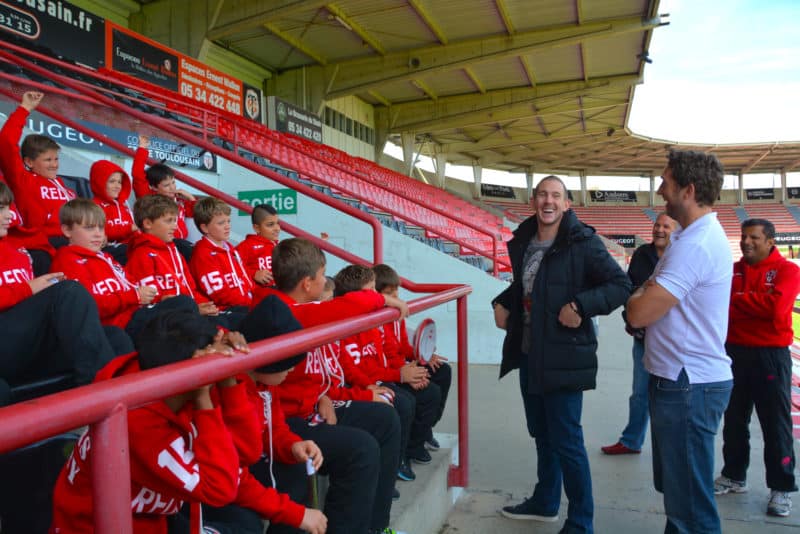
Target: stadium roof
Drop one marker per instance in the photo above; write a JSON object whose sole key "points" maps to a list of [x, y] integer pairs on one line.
{"points": [[508, 84]]}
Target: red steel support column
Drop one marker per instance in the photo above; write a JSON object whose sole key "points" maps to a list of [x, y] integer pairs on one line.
{"points": [[494, 257], [110, 466], [459, 476]]}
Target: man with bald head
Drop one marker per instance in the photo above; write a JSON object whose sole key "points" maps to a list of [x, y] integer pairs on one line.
{"points": [[643, 262]]}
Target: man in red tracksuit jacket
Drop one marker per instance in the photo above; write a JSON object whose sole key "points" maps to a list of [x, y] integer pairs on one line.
{"points": [[342, 421], [111, 188], [215, 263], [48, 326], [184, 448], [763, 292], [31, 171]]}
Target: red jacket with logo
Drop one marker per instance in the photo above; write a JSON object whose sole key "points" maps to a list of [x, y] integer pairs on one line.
{"points": [[119, 219], [39, 199], [174, 457], [22, 236], [256, 254], [116, 297], [142, 188], [762, 298], [364, 361], [153, 262], [395, 343], [15, 272], [220, 274], [320, 372]]}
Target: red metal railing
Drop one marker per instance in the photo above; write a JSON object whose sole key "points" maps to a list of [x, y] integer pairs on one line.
{"points": [[210, 119], [104, 405]]}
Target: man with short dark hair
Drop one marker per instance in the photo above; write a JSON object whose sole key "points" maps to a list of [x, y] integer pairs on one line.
{"points": [[563, 276], [765, 286], [684, 306]]}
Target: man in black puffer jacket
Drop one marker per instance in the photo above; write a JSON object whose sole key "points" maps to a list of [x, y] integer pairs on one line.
{"points": [[563, 276]]}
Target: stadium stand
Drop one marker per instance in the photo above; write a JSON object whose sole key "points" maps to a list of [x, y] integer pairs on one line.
{"points": [[776, 213]]}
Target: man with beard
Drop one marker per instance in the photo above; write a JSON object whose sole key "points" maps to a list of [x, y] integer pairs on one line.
{"points": [[643, 262], [563, 276], [684, 306]]}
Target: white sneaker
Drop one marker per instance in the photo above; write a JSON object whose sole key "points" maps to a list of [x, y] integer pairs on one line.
{"points": [[723, 485], [780, 503]]}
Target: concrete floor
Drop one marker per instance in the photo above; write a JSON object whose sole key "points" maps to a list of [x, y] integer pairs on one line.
{"points": [[503, 458]]}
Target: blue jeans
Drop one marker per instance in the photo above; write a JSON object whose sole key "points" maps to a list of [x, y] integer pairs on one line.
{"points": [[638, 414], [554, 421], [684, 419]]}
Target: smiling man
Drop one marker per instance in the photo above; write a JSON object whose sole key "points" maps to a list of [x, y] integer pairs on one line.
{"points": [[563, 276], [765, 286], [684, 306]]}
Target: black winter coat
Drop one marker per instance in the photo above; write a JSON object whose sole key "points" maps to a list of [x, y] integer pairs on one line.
{"points": [[577, 267]]}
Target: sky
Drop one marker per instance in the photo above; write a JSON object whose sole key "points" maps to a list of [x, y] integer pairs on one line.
{"points": [[723, 71]]}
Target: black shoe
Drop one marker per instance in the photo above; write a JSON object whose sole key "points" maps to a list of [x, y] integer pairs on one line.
{"points": [[395, 494], [404, 471], [421, 456], [432, 444], [528, 511]]}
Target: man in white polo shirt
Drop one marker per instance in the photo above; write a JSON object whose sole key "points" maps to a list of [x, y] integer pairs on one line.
{"points": [[684, 306]]}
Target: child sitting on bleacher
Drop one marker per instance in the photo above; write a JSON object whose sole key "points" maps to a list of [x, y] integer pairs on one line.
{"points": [[341, 420], [31, 172], [183, 448], [48, 326], [119, 301], [215, 263], [397, 348], [364, 364], [111, 187], [160, 179], [256, 249]]}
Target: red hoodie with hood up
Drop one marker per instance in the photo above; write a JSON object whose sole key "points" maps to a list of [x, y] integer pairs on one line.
{"points": [[154, 262], [119, 219]]}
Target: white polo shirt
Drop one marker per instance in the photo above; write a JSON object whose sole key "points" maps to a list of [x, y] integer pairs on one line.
{"points": [[696, 268]]}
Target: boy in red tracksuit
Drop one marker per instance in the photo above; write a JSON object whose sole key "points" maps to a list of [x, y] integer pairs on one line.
{"points": [[48, 326], [160, 179], [215, 263], [398, 350], [31, 172], [340, 420], [111, 187], [184, 448], [34, 241], [120, 302], [256, 249], [364, 363]]}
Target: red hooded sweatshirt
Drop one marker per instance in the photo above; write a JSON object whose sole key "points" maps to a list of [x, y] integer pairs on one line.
{"points": [[142, 188], [364, 361], [38, 198], [762, 297], [15, 272], [116, 297], [396, 347], [320, 372], [174, 457], [22, 236], [256, 254], [119, 219], [221, 275], [153, 262]]}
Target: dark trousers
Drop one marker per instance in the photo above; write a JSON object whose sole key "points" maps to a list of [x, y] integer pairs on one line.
{"points": [[231, 519], [361, 452], [442, 377], [427, 402], [762, 378], [406, 406], [118, 251], [41, 261], [185, 248], [53, 332]]}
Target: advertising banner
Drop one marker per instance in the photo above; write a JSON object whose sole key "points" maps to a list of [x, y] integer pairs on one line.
{"points": [[760, 194], [793, 192], [502, 191], [624, 240], [286, 117], [61, 28], [283, 200], [613, 196], [787, 238]]}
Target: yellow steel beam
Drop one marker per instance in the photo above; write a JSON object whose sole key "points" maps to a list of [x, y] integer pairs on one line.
{"points": [[503, 12], [296, 43], [428, 20], [422, 86], [361, 74], [379, 97], [475, 81], [359, 30], [526, 64], [252, 15]]}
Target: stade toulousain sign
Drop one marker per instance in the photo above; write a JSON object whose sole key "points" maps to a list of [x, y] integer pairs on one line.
{"points": [[67, 31]]}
